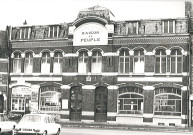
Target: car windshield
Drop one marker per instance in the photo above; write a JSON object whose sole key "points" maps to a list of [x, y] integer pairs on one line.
{"points": [[2, 117], [31, 118]]}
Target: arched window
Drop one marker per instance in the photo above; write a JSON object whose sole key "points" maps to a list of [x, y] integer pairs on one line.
{"points": [[57, 68], [45, 66], [17, 63], [139, 61], [50, 98], [176, 61], [28, 63], [130, 100], [124, 61], [160, 64], [96, 62], [83, 62], [167, 101]]}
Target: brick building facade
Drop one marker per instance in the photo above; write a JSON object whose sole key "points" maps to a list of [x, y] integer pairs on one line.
{"points": [[97, 69]]}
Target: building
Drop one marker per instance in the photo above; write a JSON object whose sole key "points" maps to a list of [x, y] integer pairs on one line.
{"points": [[4, 76], [97, 69]]}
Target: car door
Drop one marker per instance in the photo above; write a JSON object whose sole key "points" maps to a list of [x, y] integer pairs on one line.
{"points": [[50, 125]]}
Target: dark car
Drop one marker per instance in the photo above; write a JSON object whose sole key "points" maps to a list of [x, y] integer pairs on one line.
{"points": [[14, 116]]}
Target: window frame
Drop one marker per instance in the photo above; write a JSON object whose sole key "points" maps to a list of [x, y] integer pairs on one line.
{"points": [[140, 57], [124, 57], [30, 60], [98, 57], [58, 59], [17, 60], [83, 58], [168, 26], [47, 59], [161, 60], [176, 56]]}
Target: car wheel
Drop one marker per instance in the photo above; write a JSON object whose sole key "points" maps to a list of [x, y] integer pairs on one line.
{"points": [[58, 132], [44, 133]]}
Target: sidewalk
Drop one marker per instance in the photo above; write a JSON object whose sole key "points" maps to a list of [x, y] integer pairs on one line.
{"points": [[123, 126]]}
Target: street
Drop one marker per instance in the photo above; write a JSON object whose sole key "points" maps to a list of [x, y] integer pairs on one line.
{"points": [[94, 131]]}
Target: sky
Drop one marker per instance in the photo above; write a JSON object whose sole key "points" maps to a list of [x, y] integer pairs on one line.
{"points": [[45, 12]]}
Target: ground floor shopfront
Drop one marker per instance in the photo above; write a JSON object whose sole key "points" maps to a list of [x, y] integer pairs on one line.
{"points": [[161, 104]]}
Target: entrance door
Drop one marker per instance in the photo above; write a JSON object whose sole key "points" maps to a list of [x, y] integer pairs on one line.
{"points": [[1, 103], [101, 96], [76, 103]]}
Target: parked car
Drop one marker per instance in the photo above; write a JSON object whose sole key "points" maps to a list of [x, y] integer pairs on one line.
{"points": [[14, 116], [42, 124], [6, 126]]}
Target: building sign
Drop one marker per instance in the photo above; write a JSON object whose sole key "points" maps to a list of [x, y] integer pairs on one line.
{"points": [[21, 90], [91, 34]]}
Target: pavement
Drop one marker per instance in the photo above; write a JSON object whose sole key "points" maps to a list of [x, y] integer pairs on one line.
{"points": [[124, 126]]}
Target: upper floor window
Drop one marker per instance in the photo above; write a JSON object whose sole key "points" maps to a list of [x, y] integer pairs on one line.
{"points": [[176, 61], [139, 61], [17, 63], [28, 67], [168, 26], [83, 62], [25, 33], [45, 63], [53, 31], [160, 61], [96, 62], [124, 61], [132, 28], [57, 63]]}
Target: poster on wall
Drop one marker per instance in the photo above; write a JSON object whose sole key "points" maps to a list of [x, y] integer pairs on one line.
{"points": [[64, 103]]}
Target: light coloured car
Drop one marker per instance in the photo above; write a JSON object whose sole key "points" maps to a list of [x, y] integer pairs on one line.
{"points": [[6, 126], [42, 124]]}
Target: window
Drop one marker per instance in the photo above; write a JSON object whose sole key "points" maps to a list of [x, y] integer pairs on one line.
{"points": [[50, 101], [28, 63], [96, 62], [83, 62], [53, 31], [124, 61], [58, 63], [25, 32], [45, 66], [168, 26], [130, 100], [17, 63], [18, 104], [132, 28], [160, 64], [176, 61], [139, 61], [167, 101]]}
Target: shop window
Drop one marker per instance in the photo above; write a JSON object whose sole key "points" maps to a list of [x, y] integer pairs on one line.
{"points": [[139, 61], [57, 63], [96, 62], [17, 63], [54, 30], [50, 101], [168, 26], [18, 104], [176, 61], [83, 62], [124, 61], [45, 63], [28, 68], [160, 61], [167, 101], [132, 28], [130, 100]]}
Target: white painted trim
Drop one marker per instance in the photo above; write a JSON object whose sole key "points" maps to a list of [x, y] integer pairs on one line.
{"points": [[109, 73], [71, 55], [70, 74], [184, 116], [88, 113], [67, 112], [4, 60], [19, 83], [88, 87], [3, 73], [184, 88], [36, 78], [148, 115], [131, 52], [191, 97], [37, 56], [148, 87], [65, 87], [111, 113], [110, 54], [149, 73], [149, 79], [112, 87]]}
